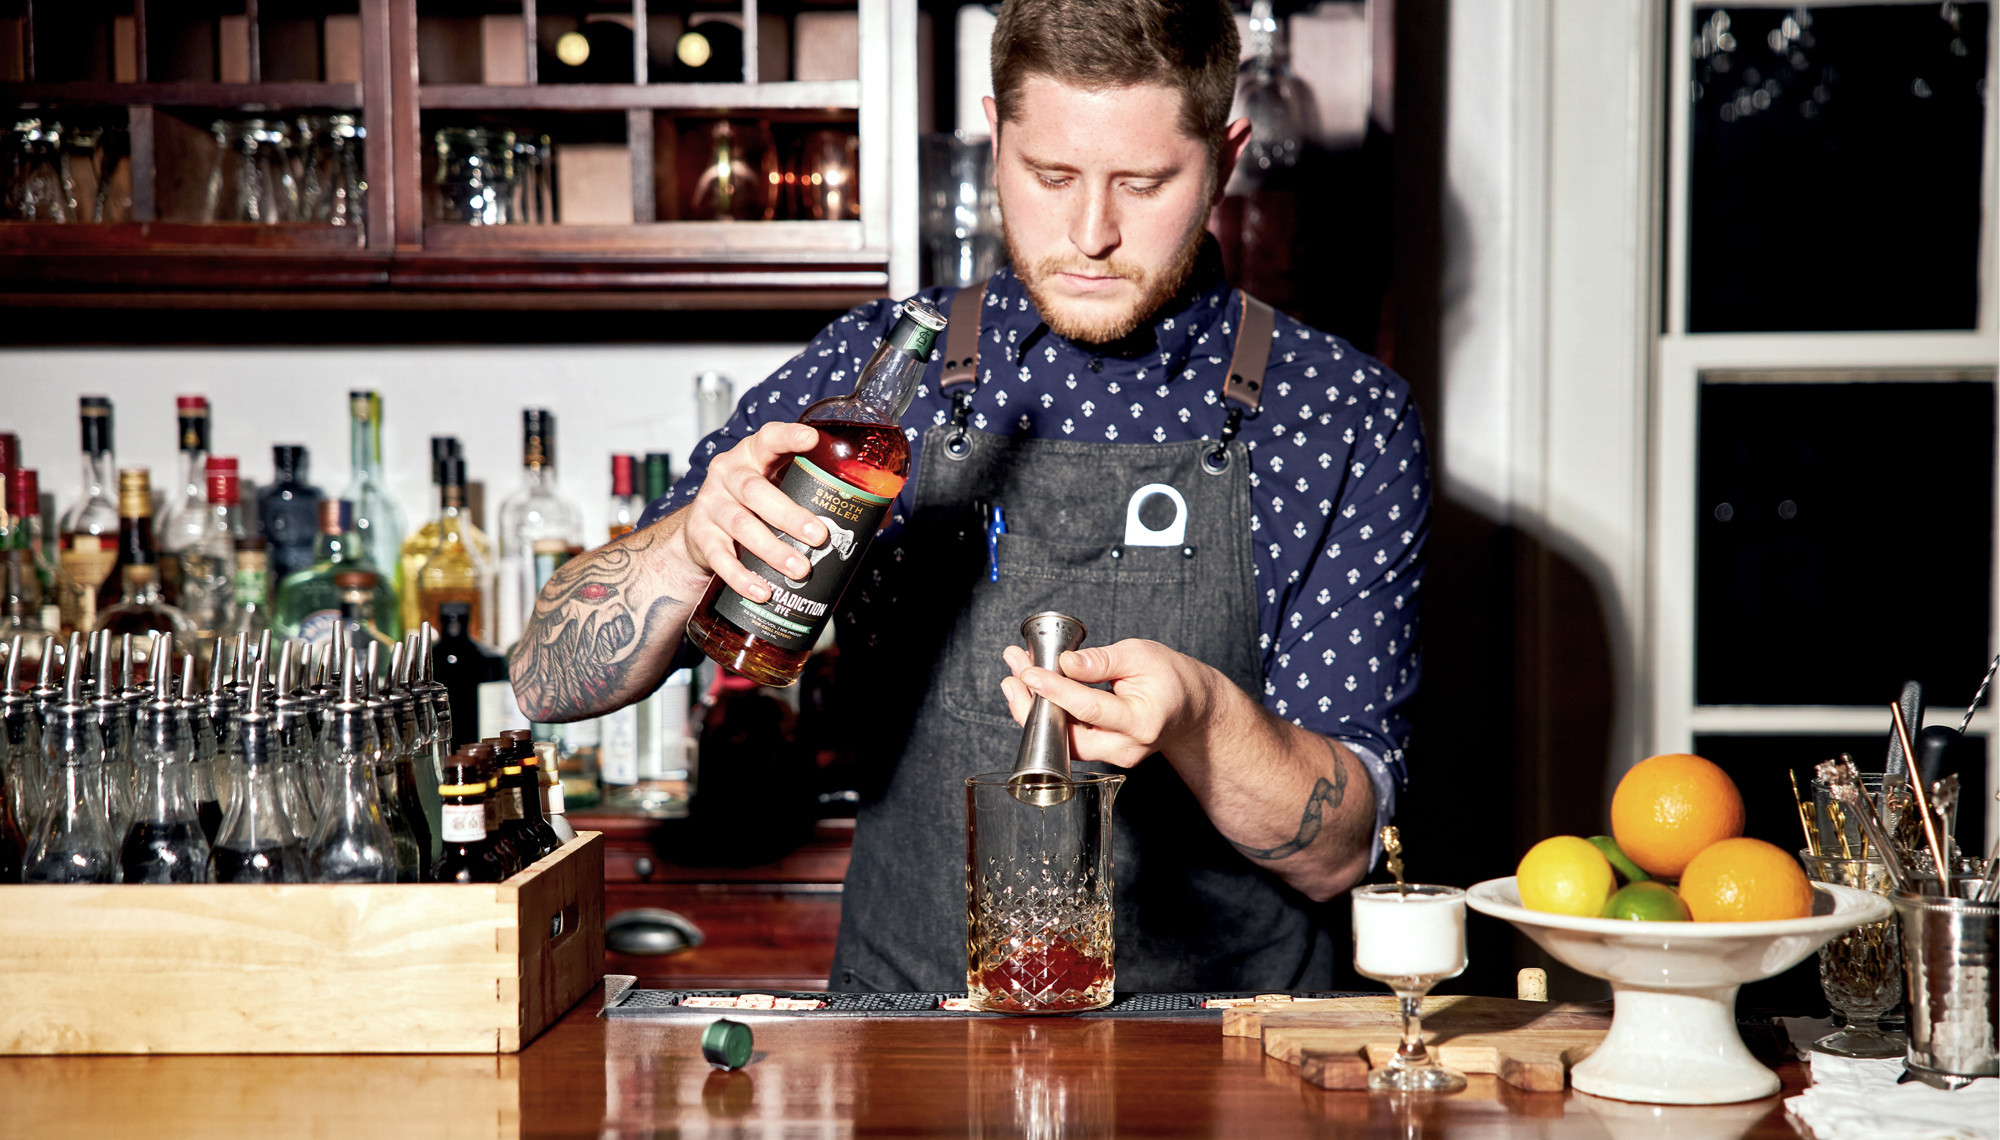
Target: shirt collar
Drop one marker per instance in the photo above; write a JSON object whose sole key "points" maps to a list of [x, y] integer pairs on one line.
{"points": [[1188, 325]]}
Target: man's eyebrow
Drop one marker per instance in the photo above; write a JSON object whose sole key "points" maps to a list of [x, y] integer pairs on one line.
{"points": [[1144, 172]]}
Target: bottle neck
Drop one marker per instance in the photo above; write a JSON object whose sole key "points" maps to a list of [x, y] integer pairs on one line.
{"points": [[888, 382], [194, 477], [100, 474], [364, 448]]}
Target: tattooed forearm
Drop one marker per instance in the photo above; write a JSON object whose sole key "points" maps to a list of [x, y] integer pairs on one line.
{"points": [[585, 648], [1326, 794]]}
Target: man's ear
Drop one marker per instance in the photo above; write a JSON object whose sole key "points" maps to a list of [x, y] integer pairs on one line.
{"points": [[1235, 137], [992, 110]]}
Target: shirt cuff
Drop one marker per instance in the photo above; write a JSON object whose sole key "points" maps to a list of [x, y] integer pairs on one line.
{"points": [[1385, 794]]}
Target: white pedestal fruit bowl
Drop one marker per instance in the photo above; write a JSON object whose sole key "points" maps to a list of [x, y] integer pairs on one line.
{"points": [[1673, 1036]]}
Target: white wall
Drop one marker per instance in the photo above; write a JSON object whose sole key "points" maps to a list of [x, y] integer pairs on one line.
{"points": [[607, 398]]}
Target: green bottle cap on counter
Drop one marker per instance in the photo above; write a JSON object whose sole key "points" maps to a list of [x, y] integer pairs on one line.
{"points": [[726, 1044]]}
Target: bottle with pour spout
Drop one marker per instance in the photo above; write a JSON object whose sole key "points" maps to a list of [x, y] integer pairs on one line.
{"points": [[255, 844], [848, 480], [165, 843], [72, 842], [352, 843]]}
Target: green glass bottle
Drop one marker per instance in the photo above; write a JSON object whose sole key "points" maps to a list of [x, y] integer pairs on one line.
{"points": [[308, 605]]}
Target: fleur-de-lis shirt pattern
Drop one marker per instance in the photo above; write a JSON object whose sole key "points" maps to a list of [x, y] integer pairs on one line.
{"points": [[1339, 477]]}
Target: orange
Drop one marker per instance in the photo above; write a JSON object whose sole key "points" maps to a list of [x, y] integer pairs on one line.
{"points": [[1669, 807], [1745, 880]]}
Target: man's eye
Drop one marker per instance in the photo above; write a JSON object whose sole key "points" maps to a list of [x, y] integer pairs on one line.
{"points": [[1053, 181], [1144, 189]]}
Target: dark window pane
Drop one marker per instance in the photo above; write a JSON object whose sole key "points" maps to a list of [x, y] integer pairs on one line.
{"points": [[1844, 541], [1758, 765], [1835, 167]]}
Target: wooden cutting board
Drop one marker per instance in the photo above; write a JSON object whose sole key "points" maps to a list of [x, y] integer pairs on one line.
{"points": [[1528, 1044]]}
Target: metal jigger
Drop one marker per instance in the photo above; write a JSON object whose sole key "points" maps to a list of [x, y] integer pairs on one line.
{"points": [[1041, 767]]}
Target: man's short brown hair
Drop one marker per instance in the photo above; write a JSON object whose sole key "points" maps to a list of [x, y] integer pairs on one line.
{"points": [[1187, 45]]}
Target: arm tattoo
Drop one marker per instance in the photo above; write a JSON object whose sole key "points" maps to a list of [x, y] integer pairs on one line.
{"points": [[1325, 794], [584, 640]]}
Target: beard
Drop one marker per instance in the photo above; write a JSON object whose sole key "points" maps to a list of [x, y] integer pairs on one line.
{"points": [[1090, 324]]}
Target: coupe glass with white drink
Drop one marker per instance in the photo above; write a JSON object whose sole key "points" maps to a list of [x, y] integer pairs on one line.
{"points": [[1410, 938]]}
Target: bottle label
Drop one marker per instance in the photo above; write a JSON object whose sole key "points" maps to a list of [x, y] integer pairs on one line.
{"points": [[464, 823], [799, 607], [253, 582], [618, 753], [318, 627]]}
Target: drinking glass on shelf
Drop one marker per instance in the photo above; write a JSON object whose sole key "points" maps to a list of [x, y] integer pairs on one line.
{"points": [[534, 180], [113, 199], [39, 188], [1861, 970], [252, 179], [826, 177], [729, 171], [343, 199], [960, 224], [473, 179], [1410, 938]]}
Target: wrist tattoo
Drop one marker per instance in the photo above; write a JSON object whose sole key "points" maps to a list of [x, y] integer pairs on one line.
{"points": [[581, 645], [1325, 794]]}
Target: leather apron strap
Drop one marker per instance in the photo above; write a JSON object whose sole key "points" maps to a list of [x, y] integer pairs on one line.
{"points": [[961, 339]]}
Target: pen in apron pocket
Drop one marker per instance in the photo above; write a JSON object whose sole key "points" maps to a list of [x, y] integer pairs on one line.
{"points": [[996, 527]]}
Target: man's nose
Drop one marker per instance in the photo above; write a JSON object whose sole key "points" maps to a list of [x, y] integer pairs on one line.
{"points": [[1094, 228]]}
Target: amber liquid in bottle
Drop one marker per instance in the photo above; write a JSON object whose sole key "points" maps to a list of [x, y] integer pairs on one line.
{"points": [[873, 457]]}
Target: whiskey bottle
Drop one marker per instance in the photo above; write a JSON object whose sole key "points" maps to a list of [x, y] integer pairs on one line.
{"points": [[489, 767], [89, 528], [456, 571], [468, 856], [848, 480], [521, 797], [164, 843], [352, 843]]}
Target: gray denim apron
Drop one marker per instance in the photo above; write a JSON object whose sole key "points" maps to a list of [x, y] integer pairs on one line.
{"points": [[1192, 912]]}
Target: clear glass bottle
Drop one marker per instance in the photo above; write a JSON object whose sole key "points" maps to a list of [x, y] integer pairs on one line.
{"points": [[208, 555], [72, 842], [288, 511], [20, 772], [309, 600], [115, 722], [378, 522], [219, 708], [299, 761], [352, 843], [186, 501], [417, 772], [413, 856], [250, 590], [255, 844], [539, 525], [206, 777], [469, 856], [456, 571], [1279, 105], [622, 514], [164, 843], [88, 530]]}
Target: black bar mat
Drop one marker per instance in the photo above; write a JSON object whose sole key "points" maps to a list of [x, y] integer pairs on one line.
{"points": [[638, 1003]]}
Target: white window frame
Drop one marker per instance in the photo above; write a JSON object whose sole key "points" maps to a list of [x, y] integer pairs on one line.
{"points": [[1682, 358]]}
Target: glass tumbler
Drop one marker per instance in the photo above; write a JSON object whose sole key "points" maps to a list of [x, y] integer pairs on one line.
{"points": [[960, 223], [1861, 970], [1038, 897]]}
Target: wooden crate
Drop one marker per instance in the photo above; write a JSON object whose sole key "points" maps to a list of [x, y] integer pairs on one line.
{"points": [[301, 969]]}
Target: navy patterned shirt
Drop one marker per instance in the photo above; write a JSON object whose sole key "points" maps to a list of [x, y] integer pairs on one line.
{"points": [[1339, 476]]}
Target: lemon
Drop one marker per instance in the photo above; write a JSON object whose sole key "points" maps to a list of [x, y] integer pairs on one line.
{"points": [[1647, 901], [1565, 874]]}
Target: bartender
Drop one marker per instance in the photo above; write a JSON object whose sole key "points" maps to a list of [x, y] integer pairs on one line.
{"points": [[1250, 631]]}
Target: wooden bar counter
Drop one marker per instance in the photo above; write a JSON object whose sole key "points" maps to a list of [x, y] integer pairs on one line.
{"points": [[591, 1077]]}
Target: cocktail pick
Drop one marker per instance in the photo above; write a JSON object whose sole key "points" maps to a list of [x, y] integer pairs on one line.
{"points": [[1844, 785], [1984, 685], [1805, 819], [1944, 805], [1923, 806], [1392, 846]]}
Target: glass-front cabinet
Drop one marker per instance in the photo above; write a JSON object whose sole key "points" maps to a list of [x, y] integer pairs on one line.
{"points": [[619, 153]]}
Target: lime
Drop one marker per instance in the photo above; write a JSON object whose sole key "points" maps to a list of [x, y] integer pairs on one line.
{"points": [[1565, 874], [1619, 861], [1647, 902]]}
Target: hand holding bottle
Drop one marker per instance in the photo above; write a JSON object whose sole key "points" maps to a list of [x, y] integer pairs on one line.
{"points": [[739, 504]]}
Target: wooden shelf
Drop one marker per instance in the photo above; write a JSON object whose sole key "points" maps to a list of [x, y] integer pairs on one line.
{"points": [[830, 95], [798, 242], [337, 96]]}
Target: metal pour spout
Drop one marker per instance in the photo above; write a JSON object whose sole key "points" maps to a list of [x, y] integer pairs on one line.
{"points": [[1041, 767]]}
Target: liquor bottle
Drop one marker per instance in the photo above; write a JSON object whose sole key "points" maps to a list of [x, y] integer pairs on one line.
{"points": [[183, 515], [27, 588], [455, 571], [847, 480], [352, 843], [138, 606], [553, 803], [520, 796], [418, 776], [31, 533], [301, 774], [19, 769], [401, 731], [309, 600], [20, 589], [538, 527], [377, 519], [207, 555], [483, 753], [435, 698], [218, 705], [411, 846], [461, 664], [192, 720], [626, 505], [662, 726], [469, 856], [164, 843], [422, 543], [255, 844], [114, 727], [89, 528], [250, 589], [288, 510], [72, 843]]}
